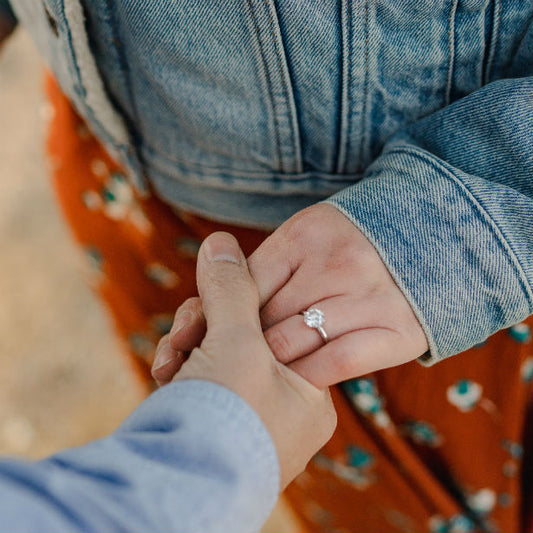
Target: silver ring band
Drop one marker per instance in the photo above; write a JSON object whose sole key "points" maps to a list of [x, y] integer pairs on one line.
{"points": [[322, 333], [314, 318]]}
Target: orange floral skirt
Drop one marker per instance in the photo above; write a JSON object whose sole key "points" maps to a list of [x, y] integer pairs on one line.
{"points": [[446, 449]]}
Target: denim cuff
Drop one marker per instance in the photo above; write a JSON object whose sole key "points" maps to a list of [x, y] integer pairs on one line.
{"points": [[447, 255]]}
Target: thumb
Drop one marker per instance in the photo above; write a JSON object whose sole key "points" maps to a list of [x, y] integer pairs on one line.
{"points": [[228, 293]]}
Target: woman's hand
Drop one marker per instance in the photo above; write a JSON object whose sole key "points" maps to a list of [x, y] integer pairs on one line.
{"points": [[318, 258], [234, 353]]}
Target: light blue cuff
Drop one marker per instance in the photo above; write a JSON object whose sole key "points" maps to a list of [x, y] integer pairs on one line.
{"points": [[192, 457], [442, 248], [223, 422]]}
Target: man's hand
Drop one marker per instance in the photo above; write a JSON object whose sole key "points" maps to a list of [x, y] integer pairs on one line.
{"points": [[234, 353]]}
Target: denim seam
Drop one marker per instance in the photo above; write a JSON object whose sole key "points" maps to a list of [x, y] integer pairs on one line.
{"points": [[293, 120], [79, 87], [344, 88], [483, 215], [346, 123], [334, 182], [123, 63], [220, 171], [364, 129], [269, 82], [451, 48], [494, 37], [349, 95]]}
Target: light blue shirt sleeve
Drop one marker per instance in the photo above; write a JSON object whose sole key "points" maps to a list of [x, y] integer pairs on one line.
{"points": [[449, 207], [194, 457]]}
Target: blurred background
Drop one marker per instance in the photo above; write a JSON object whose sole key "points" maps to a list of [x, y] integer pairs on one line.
{"points": [[63, 378]]}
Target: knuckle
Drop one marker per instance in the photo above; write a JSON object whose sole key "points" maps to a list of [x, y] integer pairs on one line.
{"points": [[352, 259], [193, 306], [345, 363], [297, 227], [279, 344], [271, 313]]}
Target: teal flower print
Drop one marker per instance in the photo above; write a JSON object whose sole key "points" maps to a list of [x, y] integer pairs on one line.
{"points": [[358, 457], [162, 323], [520, 333], [95, 258], [162, 275], [526, 370], [482, 501], [464, 394], [510, 468], [142, 346], [437, 524], [118, 197], [119, 203], [364, 396], [354, 467], [91, 200], [460, 524], [422, 433], [505, 499], [188, 247], [514, 449]]}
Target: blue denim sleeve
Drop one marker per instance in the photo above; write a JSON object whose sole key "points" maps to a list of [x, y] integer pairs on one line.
{"points": [[449, 207], [193, 457]]}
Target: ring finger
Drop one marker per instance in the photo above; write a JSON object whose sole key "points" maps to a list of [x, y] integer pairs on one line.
{"points": [[292, 338]]}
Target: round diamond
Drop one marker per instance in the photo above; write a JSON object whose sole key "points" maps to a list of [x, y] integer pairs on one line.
{"points": [[314, 318]]}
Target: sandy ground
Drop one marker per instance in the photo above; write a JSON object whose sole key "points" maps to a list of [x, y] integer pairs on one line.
{"points": [[63, 380]]}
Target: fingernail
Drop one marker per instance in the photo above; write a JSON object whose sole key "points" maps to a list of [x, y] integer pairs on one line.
{"points": [[184, 318], [163, 356], [223, 247]]}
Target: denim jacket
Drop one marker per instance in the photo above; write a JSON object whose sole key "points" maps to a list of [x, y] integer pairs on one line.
{"points": [[414, 119]]}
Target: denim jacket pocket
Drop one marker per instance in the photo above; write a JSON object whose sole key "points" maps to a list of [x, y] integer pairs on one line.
{"points": [[278, 84], [485, 36], [206, 89]]}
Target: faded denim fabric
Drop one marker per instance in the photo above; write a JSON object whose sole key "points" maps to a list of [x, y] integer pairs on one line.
{"points": [[413, 118]]}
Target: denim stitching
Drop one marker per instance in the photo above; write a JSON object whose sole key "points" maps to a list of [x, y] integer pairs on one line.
{"points": [[483, 215], [123, 63], [365, 95], [77, 74], [283, 81], [451, 47], [79, 87], [496, 19], [349, 87], [225, 172], [269, 83], [345, 61]]}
